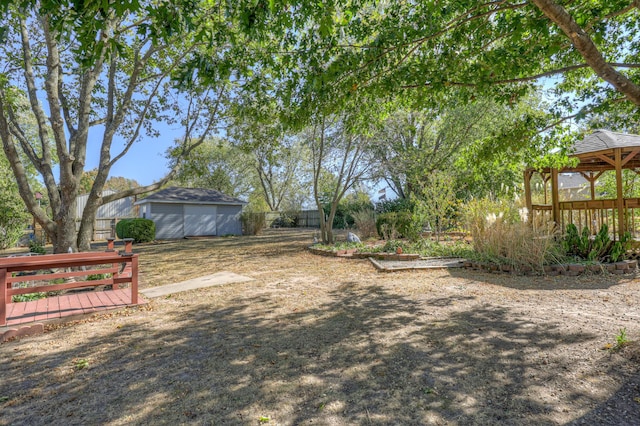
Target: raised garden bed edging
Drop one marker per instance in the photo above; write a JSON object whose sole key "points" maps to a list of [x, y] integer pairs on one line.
{"points": [[570, 269], [354, 254]]}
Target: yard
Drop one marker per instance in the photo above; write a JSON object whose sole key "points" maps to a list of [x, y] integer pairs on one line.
{"points": [[318, 340]]}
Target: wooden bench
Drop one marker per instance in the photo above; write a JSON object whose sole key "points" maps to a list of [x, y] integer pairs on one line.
{"points": [[117, 268]]}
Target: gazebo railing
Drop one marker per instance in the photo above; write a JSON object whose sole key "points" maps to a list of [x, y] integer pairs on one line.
{"points": [[592, 214]]}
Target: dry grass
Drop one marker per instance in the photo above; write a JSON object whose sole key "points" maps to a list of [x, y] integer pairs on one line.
{"points": [[316, 340]]}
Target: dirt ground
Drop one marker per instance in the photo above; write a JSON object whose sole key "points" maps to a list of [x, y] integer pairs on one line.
{"points": [[328, 341]]}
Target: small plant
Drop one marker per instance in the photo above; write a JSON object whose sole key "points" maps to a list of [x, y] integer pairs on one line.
{"points": [[392, 246], [96, 277], [621, 339], [36, 247], [600, 247], [28, 297], [81, 363]]}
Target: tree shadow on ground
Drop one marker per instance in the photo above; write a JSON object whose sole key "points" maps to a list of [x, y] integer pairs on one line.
{"points": [[365, 357]]}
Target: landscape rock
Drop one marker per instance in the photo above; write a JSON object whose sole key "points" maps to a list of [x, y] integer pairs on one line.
{"points": [[353, 238]]}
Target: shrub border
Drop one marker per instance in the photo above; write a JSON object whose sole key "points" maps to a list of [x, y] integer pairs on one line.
{"points": [[568, 269]]}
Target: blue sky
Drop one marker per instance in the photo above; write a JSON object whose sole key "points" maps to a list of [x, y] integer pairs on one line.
{"points": [[145, 162]]}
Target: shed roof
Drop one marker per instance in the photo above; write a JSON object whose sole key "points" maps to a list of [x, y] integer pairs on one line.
{"points": [[177, 195], [601, 140]]}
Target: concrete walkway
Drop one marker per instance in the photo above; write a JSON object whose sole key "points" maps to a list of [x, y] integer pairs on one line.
{"points": [[219, 278]]}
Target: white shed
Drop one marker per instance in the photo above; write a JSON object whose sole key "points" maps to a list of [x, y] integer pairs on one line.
{"points": [[192, 212]]}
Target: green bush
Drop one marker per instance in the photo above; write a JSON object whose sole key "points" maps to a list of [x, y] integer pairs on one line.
{"points": [[122, 228], [36, 247], [397, 225], [600, 247], [394, 206], [141, 230]]}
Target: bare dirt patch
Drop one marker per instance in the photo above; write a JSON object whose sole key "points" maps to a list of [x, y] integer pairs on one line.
{"points": [[318, 340]]}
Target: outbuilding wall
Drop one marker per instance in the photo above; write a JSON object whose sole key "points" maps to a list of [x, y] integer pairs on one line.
{"points": [[228, 220], [168, 219]]}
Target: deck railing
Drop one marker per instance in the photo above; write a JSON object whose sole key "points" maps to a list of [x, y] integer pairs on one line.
{"points": [[592, 214], [59, 272]]}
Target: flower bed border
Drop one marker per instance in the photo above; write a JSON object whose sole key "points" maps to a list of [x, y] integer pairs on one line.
{"points": [[355, 254], [569, 269]]}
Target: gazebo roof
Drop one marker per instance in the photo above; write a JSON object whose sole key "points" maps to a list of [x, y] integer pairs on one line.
{"points": [[601, 140]]}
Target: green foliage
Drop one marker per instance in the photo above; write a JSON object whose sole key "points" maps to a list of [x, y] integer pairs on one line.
{"points": [[215, 164], [392, 246], [81, 363], [122, 228], [13, 215], [398, 225], [96, 277], [140, 229], [28, 297], [352, 203], [36, 246], [395, 205], [435, 203], [621, 339], [599, 247]]}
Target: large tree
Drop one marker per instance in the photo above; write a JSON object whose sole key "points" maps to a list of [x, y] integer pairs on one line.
{"points": [[340, 159], [216, 164], [588, 51], [101, 77]]}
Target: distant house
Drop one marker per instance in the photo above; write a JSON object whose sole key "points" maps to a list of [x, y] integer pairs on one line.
{"points": [[192, 212], [573, 187]]}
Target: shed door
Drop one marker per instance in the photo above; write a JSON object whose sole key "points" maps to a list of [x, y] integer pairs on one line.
{"points": [[199, 220]]}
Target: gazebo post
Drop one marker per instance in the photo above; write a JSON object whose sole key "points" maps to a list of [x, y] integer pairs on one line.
{"points": [[619, 194], [555, 197], [527, 193]]}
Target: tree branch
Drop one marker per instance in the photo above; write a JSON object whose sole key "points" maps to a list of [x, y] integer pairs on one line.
{"points": [[585, 46]]}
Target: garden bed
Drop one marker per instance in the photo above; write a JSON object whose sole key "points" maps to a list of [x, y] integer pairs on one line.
{"points": [[355, 254], [569, 269]]}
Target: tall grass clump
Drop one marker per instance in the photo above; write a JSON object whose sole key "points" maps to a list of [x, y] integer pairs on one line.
{"points": [[365, 223], [501, 233], [253, 223]]}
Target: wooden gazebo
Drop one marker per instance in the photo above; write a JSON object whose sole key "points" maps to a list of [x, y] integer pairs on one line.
{"points": [[597, 153]]}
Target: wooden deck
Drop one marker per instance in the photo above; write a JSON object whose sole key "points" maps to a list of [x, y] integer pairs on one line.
{"points": [[76, 303]]}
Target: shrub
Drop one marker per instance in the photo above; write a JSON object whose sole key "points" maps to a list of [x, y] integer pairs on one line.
{"points": [[395, 205], [122, 227], [398, 224], [253, 223], [365, 223], [600, 247], [140, 229], [499, 234], [36, 247]]}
